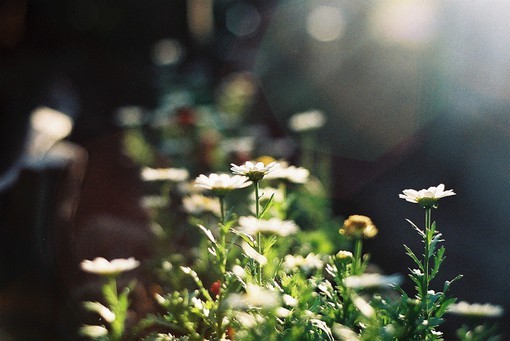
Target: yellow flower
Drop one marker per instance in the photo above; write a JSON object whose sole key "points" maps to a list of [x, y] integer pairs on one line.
{"points": [[358, 226]]}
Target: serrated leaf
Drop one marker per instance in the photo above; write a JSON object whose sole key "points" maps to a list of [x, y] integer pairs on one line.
{"points": [[411, 254]]}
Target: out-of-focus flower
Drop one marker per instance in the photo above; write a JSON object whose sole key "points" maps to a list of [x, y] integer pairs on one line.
{"points": [[344, 333], [363, 306], [101, 266], [239, 271], [254, 171], [97, 307], [475, 309], [255, 297], [306, 264], [171, 174], [344, 255], [371, 280], [298, 175], [93, 331], [221, 184], [252, 226], [248, 320], [198, 204], [253, 254], [308, 120], [426, 198], [358, 226]]}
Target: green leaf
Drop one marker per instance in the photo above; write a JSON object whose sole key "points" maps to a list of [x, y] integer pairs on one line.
{"points": [[411, 254]]}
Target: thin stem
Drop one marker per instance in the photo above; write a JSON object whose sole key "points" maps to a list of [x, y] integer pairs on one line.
{"points": [[426, 259], [259, 236], [356, 264], [222, 209], [256, 184]]}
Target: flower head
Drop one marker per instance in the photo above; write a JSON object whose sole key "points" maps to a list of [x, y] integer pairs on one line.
{"points": [[252, 226], [426, 198], [371, 280], [254, 171], [475, 309], [172, 174], [359, 226], [221, 184], [297, 175], [104, 267]]}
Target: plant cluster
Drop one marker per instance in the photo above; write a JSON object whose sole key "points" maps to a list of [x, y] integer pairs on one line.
{"points": [[254, 279], [251, 251]]}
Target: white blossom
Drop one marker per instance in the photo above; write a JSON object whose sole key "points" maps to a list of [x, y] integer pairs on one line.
{"points": [[252, 226], [171, 174], [221, 183], [298, 175], [371, 280], [426, 197], [101, 266], [254, 171], [475, 309]]}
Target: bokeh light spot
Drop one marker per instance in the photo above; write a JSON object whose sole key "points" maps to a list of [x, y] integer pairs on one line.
{"points": [[242, 20], [325, 23], [405, 21], [167, 52]]}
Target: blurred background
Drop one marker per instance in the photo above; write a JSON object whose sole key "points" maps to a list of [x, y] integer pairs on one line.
{"points": [[414, 93]]}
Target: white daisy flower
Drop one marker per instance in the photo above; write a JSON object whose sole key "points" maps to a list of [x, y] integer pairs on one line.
{"points": [[101, 266], [252, 226], [172, 174], [254, 171], [221, 184], [308, 120], [297, 175], [475, 309], [426, 198]]}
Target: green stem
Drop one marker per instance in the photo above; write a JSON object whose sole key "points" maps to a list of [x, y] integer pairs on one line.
{"points": [[117, 326], [222, 249], [427, 241], [222, 209], [259, 236], [256, 185], [356, 265]]}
